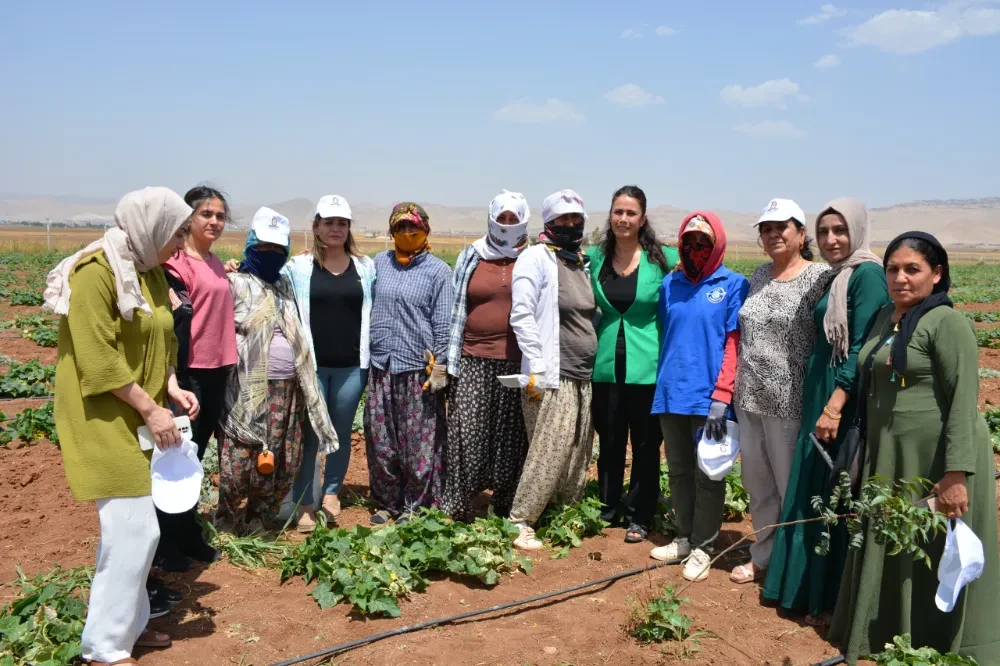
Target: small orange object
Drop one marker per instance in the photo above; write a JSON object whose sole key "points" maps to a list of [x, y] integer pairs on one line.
{"points": [[265, 462]]}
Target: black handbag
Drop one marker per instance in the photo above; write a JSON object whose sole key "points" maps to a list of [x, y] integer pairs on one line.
{"points": [[851, 453], [183, 314]]}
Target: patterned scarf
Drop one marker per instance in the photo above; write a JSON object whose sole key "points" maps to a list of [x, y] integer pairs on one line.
{"points": [[409, 244]]}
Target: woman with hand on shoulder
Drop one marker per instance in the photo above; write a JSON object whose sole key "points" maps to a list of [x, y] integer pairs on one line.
{"points": [[273, 389], [699, 307], [206, 355], [486, 437], [333, 290], [115, 373], [797, 577], [552, 312], [921, 391], [776, 335], [626, 271], [404, 415]]}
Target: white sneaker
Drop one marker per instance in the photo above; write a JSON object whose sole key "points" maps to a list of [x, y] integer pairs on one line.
{"points": [[677, 549], [526, 539], [696, 565]]}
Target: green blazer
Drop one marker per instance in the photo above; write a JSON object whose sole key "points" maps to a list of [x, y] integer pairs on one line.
{"points": [[643, 328]]}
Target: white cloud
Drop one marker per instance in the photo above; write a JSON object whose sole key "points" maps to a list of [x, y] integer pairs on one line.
{"points": [[909, 31], [665, 31], [827, 62], [826, 12], [631, 95], [551, 111], [770, 93], [781, 129], [629, 33]]}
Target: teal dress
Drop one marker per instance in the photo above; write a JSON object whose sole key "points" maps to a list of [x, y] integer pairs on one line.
{"points": [[798, 578]]}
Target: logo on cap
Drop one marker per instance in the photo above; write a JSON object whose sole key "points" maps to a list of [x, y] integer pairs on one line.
{"points": [[773, 205], [274, 223], [335, 201]]}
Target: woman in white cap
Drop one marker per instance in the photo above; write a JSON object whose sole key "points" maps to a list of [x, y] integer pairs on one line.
{"points": [[486, 437], [115, 373], [552, 314], [273, 390], [776, 336], [918, 394], [333, 290]]}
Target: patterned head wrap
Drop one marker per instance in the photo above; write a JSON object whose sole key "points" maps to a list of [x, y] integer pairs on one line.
{"points": [[410, 212]]}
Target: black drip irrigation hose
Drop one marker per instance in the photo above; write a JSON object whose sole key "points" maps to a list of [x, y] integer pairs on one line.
{"points": [[832, 661], [483, 611]]}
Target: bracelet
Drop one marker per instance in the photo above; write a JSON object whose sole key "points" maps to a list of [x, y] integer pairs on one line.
{"points": [[835, 417]]}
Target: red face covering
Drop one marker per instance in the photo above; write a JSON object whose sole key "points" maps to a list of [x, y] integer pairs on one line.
{"points": [[695, 260], [702, 261]]}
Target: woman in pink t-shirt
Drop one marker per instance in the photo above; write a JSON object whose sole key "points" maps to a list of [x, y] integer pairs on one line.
{"points": [[203, 314]]}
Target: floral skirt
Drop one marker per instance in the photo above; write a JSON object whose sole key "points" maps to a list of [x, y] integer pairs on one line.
{"points": [[405, 430], [248, 499]]}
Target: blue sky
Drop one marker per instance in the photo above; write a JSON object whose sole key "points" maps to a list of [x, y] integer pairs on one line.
{"points": [[716, 104]]}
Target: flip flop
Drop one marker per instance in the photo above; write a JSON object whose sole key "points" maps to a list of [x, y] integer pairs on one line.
{"points": [[822, 620], [380, 517], [746, 574], [152, 639]]}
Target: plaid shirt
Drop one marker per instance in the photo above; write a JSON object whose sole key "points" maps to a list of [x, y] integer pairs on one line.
{"points": [[410, 313], [464, 267]]}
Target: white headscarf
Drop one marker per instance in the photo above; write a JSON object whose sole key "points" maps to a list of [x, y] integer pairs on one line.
{"points": [[145, 222], [505, 240]]}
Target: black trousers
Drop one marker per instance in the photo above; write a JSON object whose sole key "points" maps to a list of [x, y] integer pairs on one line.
{"points": [[621, 413], [180, 531]]}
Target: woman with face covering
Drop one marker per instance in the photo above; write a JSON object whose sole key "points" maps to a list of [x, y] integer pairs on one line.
{"points": [[333, 290], [699, 310], [203, 322], [626, 270], [486, 437], [404, 413], [776, 335], [797, 577], [115, 373], [920, 393], [273, 389], [552, 310]]}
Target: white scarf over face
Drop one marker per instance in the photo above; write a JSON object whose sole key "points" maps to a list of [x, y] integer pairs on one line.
{"points": [[505, 240], [145, 221]]}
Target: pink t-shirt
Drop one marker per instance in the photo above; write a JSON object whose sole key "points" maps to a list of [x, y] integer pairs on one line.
{"points": [[213, 328]]}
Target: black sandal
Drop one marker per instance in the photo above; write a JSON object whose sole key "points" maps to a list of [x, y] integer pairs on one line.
{"points": [[636, 534], [380, 517]]}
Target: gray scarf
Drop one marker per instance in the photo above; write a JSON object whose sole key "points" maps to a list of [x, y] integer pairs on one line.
{"points": [[835, 322]]}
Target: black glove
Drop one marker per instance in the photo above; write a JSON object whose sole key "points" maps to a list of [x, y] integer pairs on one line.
{"points": [[715, 424]]}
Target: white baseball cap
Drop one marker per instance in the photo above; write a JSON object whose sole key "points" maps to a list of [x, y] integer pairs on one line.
{"points": [[176, 477], [781, 210], [716, 459], [961, 563], [332, 205], [271, 227]]}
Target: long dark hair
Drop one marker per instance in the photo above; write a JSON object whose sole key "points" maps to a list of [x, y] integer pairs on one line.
{"points": [[199, 194], [647, 237]]}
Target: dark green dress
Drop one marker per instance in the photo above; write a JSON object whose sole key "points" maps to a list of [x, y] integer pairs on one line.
{"points": [[923, 426], [797, 577]]}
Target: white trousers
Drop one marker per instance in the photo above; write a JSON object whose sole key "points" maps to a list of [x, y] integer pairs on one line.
{"points": [[767, 447], [119, 605]]}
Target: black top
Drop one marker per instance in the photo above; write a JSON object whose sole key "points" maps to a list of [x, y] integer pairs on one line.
{"points": [[620, 292], [335, 303]]}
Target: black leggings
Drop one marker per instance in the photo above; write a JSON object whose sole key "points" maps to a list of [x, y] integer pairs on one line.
{"points": [[621, 413], [180, 531]]}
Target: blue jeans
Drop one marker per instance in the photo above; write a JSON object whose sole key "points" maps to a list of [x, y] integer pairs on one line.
{"points": [[342, 389]]}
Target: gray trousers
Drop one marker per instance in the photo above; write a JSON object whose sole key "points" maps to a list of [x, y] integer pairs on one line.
{"points": [[767, 446], [698, 501]]}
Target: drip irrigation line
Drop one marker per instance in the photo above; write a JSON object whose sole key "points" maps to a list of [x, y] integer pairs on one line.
{"points": [[483, 611], [832, 661]]}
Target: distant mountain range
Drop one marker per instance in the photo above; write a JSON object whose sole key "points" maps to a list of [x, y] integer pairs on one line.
{"points": [[954, 221]]}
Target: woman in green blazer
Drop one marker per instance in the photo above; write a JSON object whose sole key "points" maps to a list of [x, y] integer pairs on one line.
{"points": [[626, 270]]}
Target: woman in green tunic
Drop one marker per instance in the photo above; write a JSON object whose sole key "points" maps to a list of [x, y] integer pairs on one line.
{"points": [[922, 421], [797, 578]]}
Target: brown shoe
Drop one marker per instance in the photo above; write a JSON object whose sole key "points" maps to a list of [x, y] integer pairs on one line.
{"points": [[331, 505], [307, 521]]}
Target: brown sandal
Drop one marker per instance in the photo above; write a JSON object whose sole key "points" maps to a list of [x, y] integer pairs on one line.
{"points": [[152, 639]]}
